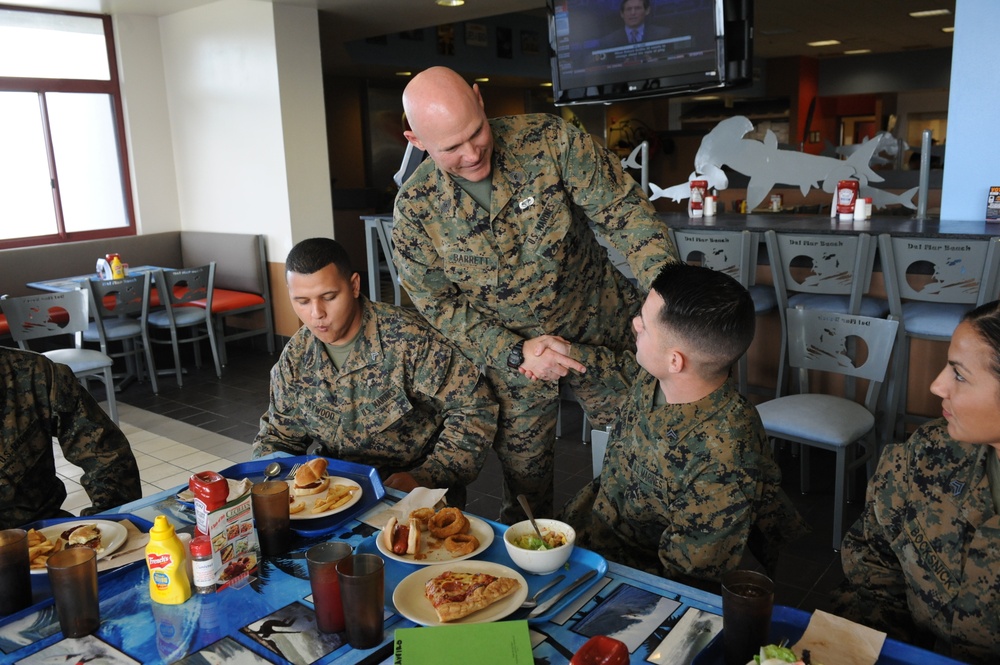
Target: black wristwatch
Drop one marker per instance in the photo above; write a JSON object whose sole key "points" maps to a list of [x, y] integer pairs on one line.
{"points": [[516, 357]]}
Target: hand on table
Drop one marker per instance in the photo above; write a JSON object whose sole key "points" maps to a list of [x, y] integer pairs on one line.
{"points": [[402, 481], [547, 358]]}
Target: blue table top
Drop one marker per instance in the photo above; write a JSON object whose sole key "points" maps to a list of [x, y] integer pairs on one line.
{"points": [[271, 618]]}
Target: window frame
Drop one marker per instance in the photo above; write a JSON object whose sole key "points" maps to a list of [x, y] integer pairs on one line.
{"points": [[112, 88]]}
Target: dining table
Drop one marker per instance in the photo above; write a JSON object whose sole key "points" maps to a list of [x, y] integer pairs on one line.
{"points": [[270, 617], [74, 282]]}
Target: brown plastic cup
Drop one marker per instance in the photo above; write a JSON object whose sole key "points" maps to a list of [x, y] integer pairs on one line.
{"points": [[322, 560], [270, 512], [362, 590], [747, 600], [73, 577], [15, 571]]}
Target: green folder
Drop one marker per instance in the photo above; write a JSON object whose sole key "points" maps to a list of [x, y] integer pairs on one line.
{"points": [[499, 643]]}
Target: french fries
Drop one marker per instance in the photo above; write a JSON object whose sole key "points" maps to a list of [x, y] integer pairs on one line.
{"points": [[41, 548], [335, 497]]}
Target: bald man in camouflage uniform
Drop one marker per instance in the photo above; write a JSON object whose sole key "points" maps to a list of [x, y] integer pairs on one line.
{"points": [[688, 489], [494, 246], [42, 400], [399, 397]]}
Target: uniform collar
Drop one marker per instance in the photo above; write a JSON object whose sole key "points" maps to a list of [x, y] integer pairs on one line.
{"points": [[677, 420]]}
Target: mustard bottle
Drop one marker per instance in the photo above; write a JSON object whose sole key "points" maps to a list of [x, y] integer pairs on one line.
{"points": [[117, 269], [165, 557]]}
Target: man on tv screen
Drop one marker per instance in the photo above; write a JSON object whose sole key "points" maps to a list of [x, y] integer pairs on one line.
{"points": [[635, 29]]}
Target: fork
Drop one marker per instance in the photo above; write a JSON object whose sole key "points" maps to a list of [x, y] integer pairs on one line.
{"points": [[531, 602], [291, 472]]}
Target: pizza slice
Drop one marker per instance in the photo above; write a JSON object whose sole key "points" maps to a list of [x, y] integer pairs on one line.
{"points": [[455, 595]]}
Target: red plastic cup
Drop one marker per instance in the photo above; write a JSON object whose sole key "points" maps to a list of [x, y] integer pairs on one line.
{"points": [[322, 560]]}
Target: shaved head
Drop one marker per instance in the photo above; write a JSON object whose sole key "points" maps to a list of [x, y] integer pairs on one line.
{"points": [[447, 120]]}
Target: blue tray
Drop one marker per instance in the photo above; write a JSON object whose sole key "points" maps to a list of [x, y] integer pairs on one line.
{"points": [[41, 591], [788, 623], [580, 562], [364, 475]]}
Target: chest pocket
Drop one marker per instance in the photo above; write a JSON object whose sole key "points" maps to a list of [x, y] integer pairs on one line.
{"points": [[547, 232], [643, 490], [383, 412], [471, 269]]}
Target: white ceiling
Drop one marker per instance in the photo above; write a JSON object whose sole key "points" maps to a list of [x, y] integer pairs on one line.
{"points": [[783, 27]]}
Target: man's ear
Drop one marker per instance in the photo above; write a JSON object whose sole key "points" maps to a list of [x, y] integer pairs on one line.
{"points": [[412, 138], [676, 361]]}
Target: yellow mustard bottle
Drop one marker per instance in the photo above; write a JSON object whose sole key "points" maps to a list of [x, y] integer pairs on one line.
{"points": [[165, 557]]}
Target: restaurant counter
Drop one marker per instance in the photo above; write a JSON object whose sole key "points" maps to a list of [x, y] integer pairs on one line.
{"points": [[270, 619]]}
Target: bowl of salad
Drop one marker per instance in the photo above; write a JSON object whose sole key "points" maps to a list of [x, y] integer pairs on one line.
{"points": [[544, 555]]}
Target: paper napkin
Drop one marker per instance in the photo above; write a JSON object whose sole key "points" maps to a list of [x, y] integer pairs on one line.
{"points": [[419, 497]]}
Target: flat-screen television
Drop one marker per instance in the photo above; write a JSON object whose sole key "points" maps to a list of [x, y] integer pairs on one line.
{"points": [[615, 50]]}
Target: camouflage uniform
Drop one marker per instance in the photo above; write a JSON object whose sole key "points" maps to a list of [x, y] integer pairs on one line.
{"points": [[43, 400], [923, 561], [405, 400], [530, 266], [685, 489]]}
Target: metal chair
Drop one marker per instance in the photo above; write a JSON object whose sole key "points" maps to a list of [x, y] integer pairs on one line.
{"points": [[54, 314], [119, 309], [825, 272], [178, 290], [931, 283], [734, 253], [820, 340]]}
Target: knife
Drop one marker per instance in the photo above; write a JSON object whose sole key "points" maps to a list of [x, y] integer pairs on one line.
{"points": [[548, 604]]}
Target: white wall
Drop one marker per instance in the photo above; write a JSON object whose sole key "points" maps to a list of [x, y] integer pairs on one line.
{"points": [[147, 124], [970, 165]]}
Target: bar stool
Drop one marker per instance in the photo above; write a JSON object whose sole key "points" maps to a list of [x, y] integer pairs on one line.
{"points": [[931, 284]]}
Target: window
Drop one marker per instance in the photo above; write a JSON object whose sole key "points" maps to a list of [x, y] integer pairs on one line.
{"points": [[63, 163]]}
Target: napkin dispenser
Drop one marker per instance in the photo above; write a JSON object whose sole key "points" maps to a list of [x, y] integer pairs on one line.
{"points": [[104, 269]]}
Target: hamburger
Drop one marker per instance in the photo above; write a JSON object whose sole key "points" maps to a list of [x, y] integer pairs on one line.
{"points": [[311, 478], [84, 535], [401, 539]]}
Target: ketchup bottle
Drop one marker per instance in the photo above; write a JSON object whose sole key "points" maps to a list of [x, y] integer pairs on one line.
{"points": [[210, 493], [601, 650]]}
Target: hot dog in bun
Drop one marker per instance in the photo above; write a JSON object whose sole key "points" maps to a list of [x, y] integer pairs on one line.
{"points": [[401, 539], [311, 478]]}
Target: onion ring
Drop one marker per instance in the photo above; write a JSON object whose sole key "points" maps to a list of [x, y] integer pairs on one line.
{"points": [[447, 522], [422, 515], [461, 544]]}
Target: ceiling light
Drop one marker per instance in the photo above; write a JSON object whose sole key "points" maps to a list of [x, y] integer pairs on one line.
{"points": [[483, 79], [825, 42], [858, 51], [547, 84], [705, 98], [450, 3], [950, 28], [404, 73], [930, 12]]}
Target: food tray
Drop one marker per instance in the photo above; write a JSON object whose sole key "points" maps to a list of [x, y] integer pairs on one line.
{"points": [[788, 623], [580, 561], [364, 475], [41, 591]]}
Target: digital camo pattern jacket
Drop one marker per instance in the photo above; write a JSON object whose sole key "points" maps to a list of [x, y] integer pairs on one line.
{"points": [[923, 561], [685, 488], [532, 265], [405, 400], [42, 400]]}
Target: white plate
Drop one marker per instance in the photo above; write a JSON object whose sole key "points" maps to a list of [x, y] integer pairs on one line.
{"points": [[113, 536], [434, 549], [411, 602], [310, 499]]}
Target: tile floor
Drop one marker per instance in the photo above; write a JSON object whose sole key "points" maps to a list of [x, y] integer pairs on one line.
{"points": [[210, 423]]}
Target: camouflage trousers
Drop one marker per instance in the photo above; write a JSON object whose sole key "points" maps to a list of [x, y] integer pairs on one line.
{"points": [[526, 429]]}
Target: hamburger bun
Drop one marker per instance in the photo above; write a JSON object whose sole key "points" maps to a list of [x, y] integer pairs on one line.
{"points": [[311, 478]]}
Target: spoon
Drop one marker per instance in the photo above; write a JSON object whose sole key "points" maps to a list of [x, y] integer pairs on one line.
{"points": [[272, 470], [531, 602], [523, 500]]}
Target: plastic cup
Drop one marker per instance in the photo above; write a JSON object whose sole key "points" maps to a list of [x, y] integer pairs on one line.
{"points": [[322, 560], [362, 590], [747, 599], [270, 512], [73, 577], [15, 571]]}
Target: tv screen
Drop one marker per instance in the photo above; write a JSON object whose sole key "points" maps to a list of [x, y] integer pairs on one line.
{"points": [[612, 50]]}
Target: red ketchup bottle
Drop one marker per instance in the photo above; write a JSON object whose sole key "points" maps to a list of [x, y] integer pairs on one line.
{"points": [[210, 493], [601, 650]]}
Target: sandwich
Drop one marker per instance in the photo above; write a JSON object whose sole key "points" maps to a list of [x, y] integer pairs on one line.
{"points": [[85, 535], [401, 539], [311, 478]]}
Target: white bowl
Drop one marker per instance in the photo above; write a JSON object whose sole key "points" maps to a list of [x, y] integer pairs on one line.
{"points": [[539, 562]]}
